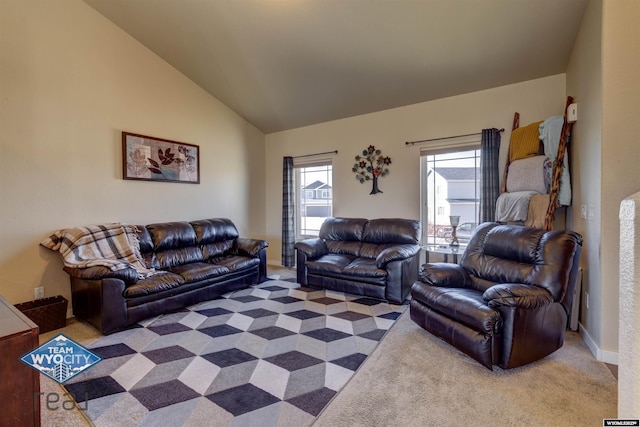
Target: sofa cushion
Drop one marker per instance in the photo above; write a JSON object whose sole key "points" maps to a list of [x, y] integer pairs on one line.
{"points": [[372, 250], [174, 257], [342, 247], [171, 235], [144, 238], [146, 245], [392, 230], [465, 305], [216, 249], [502, 254], [235, 262], [158, 282], [364, 267], [330, 263], [343, 229], [195, 271], [214, 230]]}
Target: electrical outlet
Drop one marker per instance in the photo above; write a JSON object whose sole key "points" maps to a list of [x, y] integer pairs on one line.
{"points": [[583, 211], [38, 293], [586, 299]]}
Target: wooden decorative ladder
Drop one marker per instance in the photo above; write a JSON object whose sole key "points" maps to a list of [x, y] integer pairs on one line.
{"points": [[557, 169]]}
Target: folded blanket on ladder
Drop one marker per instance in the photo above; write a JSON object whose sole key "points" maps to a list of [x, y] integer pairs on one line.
{"points": [[550, 132], [513, 207], [115, 246]]}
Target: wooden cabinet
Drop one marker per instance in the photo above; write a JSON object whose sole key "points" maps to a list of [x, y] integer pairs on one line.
{"points": [[19, 384]]}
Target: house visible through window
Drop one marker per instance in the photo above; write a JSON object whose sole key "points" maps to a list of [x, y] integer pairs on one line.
{"points": [[314, 201], [450, 186]]}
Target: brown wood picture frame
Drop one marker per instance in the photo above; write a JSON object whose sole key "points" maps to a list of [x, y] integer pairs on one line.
{"points": [[146, 158]]}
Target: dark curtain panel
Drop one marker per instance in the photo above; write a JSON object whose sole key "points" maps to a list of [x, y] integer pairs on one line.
{"points": [[288, 210], [490, 177]]}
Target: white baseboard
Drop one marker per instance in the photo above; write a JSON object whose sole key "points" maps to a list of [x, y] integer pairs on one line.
{"points": [[600, 354]]}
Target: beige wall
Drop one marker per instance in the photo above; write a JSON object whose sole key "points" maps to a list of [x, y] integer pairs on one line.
{"points": [[388, 130], [584, 83], [620, 142], [70, 82], [604, 76]]}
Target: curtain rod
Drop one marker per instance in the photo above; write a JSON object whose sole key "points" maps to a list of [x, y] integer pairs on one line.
{"points": [[445, 137], [316, 154]]}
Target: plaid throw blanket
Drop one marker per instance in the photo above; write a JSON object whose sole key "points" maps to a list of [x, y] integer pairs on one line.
{"points": [[115, 246]]}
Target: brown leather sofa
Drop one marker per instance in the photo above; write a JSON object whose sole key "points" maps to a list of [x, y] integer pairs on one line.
{"points": [[196, 260], [376, 258], [508, 300]]}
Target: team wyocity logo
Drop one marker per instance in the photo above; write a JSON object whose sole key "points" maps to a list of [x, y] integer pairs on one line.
{"points": [[61, 358]]}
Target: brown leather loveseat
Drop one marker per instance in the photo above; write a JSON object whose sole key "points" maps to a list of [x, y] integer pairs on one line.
{"points": [[507, 303], [375, 258]]}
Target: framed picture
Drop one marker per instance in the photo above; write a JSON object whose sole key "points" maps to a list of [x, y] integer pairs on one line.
{"points": [[148, 158]]}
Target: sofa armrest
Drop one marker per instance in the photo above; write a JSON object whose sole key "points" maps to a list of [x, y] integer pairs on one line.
{"points": [[250, 247], [517, 295], [100, 303], [444, 275], [312, 248], [127, 275], [396, 253]]}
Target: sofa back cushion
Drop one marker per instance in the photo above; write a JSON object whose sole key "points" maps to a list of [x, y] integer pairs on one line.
{"points": [[146, 245], [392, 230], [515, 254], [343, 235], [380, 234], [215, 236], [174, 243]]}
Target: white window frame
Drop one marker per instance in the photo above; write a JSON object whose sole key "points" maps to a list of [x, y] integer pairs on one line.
{"points": [[451, 145], [303, 229]]}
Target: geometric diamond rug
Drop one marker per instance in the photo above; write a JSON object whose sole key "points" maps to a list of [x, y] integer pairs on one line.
{"points": [[274, 354]]}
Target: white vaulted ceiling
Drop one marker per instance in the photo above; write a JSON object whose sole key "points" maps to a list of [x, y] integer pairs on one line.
{"points": [[283, 64]]}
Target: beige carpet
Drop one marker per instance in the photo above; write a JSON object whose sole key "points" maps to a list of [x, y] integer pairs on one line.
{"points": [[415, 379]]}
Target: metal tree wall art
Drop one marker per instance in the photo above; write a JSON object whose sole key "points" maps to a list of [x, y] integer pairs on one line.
{"points": [[370, 166]]}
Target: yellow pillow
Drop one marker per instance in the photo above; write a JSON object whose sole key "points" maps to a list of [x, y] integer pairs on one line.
{"points": [[525, 142]]}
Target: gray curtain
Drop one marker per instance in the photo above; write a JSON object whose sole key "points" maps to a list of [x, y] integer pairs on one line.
{"points": [[489, 174], [288, 212]]}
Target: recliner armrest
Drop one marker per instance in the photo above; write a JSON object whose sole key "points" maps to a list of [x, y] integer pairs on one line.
{"points": [[312, 248], [127, 275], [444, 275], [396, 253], [517, 295], [250, 247]]}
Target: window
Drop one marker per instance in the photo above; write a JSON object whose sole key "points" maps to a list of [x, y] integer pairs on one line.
{"points": [[313, 197], [450, 186]]}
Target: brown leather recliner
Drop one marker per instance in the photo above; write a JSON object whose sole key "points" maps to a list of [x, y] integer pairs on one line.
{"points": [[508, 300]]}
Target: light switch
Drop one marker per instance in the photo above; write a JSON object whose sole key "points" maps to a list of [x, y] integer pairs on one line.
{"points": [[572, 113]]}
